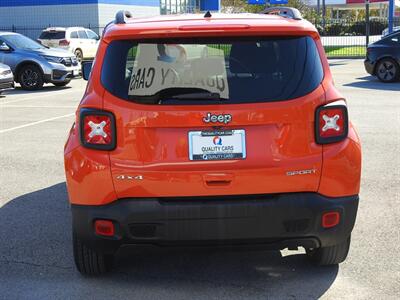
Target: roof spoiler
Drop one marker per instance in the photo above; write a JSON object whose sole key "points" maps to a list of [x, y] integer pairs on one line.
{"points": [[286, 12]]}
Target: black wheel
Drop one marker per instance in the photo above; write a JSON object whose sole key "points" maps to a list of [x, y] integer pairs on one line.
{"points": [[329, 255], [90, 262], [30, 77], [62, 83], [387, 70], [79, 55]]}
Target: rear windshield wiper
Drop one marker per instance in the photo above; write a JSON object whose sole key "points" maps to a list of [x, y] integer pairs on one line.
{"points": [[198, 96], [179, 94]]}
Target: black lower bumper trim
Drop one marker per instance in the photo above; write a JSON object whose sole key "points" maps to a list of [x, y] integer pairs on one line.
{"points": [[6, 85], [271, 221]]}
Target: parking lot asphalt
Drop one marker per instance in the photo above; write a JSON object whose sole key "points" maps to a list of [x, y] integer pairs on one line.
{"points": [[35, 229]]}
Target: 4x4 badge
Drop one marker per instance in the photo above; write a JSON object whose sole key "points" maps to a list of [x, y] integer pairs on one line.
{"points": [[210, 118], [128, 177]]}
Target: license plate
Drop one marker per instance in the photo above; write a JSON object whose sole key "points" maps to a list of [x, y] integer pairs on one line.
{"points": [[75, 72], [217, 145]]}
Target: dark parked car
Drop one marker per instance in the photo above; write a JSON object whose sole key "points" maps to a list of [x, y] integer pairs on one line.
{"points": [[383, 58]]}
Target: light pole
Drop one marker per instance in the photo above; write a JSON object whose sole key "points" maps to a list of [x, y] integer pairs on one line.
{"points": [[323, 14], [391, 14], [367, 22]]}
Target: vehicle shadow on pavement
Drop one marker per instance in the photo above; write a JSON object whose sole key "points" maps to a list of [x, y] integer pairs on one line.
{"points": [[261, 273], [370, 82], [337, 63], [36, 229], [36, 232]]}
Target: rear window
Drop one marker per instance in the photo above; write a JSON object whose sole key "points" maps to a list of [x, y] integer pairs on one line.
{"points": [[52, 35], [205, 71]]}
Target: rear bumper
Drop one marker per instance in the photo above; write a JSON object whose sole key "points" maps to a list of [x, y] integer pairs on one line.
{"points": [[274, 221], [369, 66]]}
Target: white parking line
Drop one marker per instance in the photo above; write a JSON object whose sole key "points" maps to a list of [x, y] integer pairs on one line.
{"points": [[37, 97], [35, 123], [39, 106]]}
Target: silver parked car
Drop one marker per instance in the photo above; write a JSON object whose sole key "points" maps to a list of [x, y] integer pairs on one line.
{"points": [[34, 64], [6, 78]]}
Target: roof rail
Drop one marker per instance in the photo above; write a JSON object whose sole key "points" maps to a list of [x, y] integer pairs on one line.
{"points": [[286, 12], [122, 16]]}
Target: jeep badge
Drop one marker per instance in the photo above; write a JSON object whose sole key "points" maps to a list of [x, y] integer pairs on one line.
{"points": [[217, 118]]}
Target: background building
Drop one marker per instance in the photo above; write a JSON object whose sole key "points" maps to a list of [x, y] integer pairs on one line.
{"points": [[30, 17], [188, 6], [178, 6]]}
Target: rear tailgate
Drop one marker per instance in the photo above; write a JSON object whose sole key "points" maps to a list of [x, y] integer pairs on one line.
{"points": [[267, 93], [52, 38], [152, 157]]}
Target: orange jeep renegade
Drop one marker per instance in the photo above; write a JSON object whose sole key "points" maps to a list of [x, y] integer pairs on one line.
{"points": [[201, 130]]}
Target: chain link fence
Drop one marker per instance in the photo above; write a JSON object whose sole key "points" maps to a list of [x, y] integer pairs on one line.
{"points": [[341, 38], [349, 38]]}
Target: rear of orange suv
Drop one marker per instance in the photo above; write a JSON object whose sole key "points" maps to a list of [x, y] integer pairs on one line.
{"points": [[216, 130]]}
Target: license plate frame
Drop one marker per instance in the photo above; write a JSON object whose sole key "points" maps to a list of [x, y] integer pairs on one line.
{"points": [[221, 145]]}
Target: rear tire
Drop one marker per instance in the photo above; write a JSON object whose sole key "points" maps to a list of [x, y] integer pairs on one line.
{"points": [[329, 255], [387, 70], [31, 77], [90, 262], [79, 55]]}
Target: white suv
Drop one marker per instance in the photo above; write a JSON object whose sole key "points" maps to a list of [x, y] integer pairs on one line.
{"points": [[80, 41]]}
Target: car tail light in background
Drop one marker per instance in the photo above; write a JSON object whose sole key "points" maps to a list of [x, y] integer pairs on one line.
{"points": [[63, 43], [369, 50], [97, 129], [331, 123]]}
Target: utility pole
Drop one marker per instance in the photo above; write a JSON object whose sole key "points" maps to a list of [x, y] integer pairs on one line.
{"points": [[323, 14], [367, 22], [391, 14]]}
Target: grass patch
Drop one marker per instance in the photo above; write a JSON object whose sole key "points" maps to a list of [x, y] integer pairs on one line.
{"points": [[215, 50], [331, 51], [349, 51]]}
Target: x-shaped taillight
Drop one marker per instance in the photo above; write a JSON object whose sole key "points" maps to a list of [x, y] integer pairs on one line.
{"points": [[97, 129], [331, 123]]}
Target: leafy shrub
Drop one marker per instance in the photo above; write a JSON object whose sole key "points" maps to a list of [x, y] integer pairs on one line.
{"points": [[349, 27]]}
